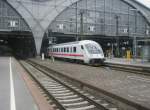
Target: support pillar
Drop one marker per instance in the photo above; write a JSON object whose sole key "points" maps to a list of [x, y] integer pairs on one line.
{"points": [[38, 37]]}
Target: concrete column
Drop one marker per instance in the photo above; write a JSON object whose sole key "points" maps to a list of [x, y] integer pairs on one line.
{"points": [[38, 37], [38, 43]]}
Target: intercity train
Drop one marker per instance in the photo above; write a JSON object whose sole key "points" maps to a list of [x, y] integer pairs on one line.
{"points": [[86, 51]]}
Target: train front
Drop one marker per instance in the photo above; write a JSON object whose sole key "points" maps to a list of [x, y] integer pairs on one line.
{"points": [[95, 53]]}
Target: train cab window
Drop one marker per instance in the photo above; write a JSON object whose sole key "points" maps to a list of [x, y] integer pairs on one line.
{"points": [[92, 49], [82, 47], [74, 49]]}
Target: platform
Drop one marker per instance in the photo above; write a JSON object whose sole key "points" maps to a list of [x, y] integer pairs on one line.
{"points": [[134, 88], [131, 62], [14, 92]]}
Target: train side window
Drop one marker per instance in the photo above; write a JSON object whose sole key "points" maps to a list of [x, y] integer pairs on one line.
{"points": [[74, 49], [67, 49], [71, 49], [82, 47], [64, 49], [61, 49]]}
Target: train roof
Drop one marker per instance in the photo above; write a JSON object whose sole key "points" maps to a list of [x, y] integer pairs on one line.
{"points": [[76, 42]]}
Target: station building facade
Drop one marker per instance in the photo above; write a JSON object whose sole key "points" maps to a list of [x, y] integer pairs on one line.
{"points": [[116, 24]]}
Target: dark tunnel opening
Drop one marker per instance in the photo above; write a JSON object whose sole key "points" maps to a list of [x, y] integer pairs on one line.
{"points": [[18, 44]]}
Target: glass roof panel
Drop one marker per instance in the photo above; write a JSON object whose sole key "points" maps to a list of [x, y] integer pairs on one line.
{"points": [[145, 2]]}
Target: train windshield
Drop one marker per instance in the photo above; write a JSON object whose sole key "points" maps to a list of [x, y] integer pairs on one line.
{"points": [[92, 49]]}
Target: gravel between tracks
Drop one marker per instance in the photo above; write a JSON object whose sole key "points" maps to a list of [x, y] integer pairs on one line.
{"points": [[133, 87]]}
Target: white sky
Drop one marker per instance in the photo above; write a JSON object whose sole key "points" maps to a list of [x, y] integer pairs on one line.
{"points": [[145, 2]]}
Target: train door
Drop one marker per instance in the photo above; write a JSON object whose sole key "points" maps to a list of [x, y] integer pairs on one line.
{"points": [[84, 55]]}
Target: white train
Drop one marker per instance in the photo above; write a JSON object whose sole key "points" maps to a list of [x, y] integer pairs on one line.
{"points": [[86, 51]]}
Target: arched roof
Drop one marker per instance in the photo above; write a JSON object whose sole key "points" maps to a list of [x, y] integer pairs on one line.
{"points": [[39, 14], [144, 10], [145, 3]]}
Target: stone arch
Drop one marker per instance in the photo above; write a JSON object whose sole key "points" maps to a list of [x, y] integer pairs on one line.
{"points": [[144, 12]]}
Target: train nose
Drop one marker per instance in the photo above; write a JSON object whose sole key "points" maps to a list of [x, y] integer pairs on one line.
{"points": [[96, 61]]}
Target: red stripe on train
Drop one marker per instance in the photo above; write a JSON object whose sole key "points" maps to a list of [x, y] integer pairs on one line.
{"points": [[61, 54]]}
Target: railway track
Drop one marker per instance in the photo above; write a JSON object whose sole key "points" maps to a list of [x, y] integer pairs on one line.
{"points": [[129, 68], [65, 95]]}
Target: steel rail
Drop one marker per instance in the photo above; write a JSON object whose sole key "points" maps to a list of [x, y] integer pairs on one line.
{"points": [[91, 101], [129, 68], [44, 89], [107, 93], [85, 97]]}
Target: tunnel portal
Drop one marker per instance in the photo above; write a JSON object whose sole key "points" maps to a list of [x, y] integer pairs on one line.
{"points": [[19, 44]]}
